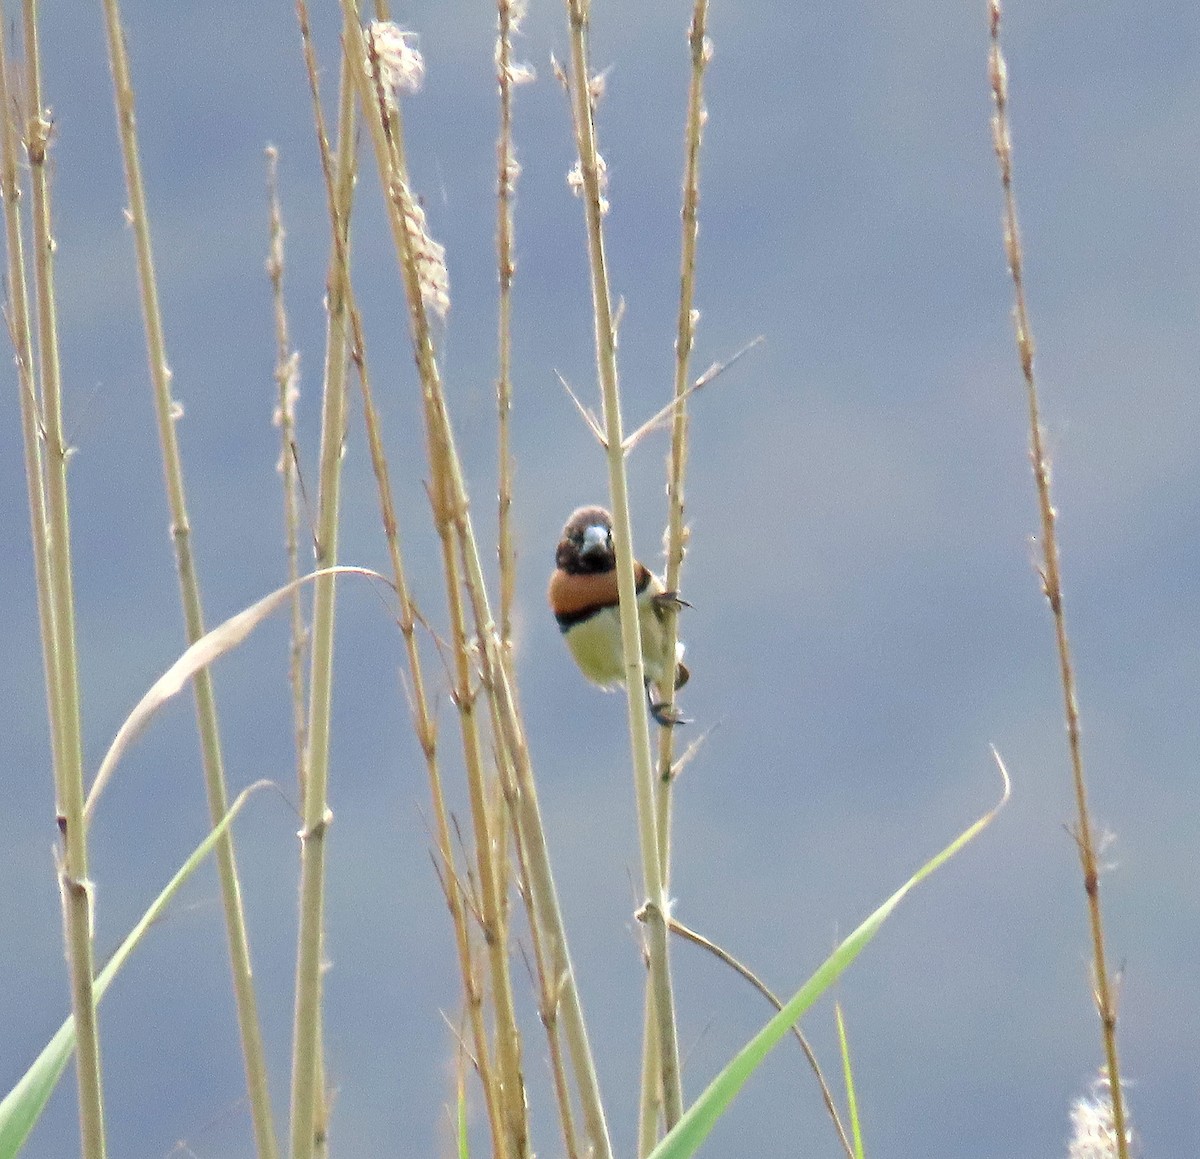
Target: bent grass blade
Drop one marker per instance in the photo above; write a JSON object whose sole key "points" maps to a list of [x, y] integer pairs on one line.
{"points": [[700, 1118]]}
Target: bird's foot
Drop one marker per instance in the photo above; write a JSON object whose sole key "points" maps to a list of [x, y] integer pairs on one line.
{"points": [[669, 601], [667, 715]]}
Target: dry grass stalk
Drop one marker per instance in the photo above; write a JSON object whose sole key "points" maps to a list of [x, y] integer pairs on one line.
{"points": [[1051, 577], [588, 179], [448, 486], [287, 383], [509, 1102], [490, 840], [76, 890], [308, 1104], [676, 534], [509, 15], [19, 320], [424, 723], [675, 539], [425, 727], [396, 67], [548, 991], [168, 412]]}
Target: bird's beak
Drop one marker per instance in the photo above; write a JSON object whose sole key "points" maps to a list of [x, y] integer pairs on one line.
{"points": [[595, 539]]}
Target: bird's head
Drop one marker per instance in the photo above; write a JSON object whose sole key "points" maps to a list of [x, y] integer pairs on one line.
{"points": [[586, 547]]}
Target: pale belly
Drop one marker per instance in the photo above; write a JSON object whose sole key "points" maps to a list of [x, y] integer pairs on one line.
{"points": [[596, 645]]}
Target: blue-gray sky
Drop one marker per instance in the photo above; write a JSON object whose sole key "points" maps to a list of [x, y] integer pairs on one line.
{"points": [[866, 617]]}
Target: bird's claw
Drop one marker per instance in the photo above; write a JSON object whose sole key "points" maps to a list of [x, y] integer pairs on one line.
{"points": [[667, 716], [669, 600]]}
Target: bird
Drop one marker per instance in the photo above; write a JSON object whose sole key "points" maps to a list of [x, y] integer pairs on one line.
{"points": [[583, 597]]}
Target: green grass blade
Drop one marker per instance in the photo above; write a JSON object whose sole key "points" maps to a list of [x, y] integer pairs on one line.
{"points": [[848, 1074], [23, 1105], [464, 1146], [699, 1119]]}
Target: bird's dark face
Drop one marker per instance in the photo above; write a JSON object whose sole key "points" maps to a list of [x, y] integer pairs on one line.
{"points": [[586, 547]]}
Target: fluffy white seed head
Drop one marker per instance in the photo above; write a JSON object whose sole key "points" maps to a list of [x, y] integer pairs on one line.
{"points": [[1093, 1135], [575, 181], [393, 50]]}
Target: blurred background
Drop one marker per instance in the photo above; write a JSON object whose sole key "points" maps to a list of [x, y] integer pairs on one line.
{"points": [[866, 617]]}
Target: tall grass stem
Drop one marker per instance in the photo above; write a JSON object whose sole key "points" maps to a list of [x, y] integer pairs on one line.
{"points": [[387, 136], [1051, 576], [656, 906], [76, 890], [20, 325], [168, 412], [676, 535], [506, 268], [307, 1096], [287, 384]]}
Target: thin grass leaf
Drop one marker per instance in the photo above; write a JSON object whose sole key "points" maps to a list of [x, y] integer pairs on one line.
{"points": [[588, 417], [848, 1074], [211, 646], [659, 419], [699, 1119], [21, 1108], [464, 1146]]}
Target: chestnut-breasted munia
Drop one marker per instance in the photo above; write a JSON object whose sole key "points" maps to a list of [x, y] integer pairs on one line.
{"points": [[584, 599]]}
